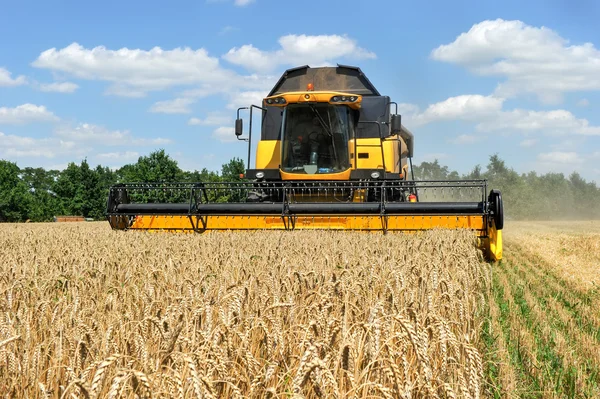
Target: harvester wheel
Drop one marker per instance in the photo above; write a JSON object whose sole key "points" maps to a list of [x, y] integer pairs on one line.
{"points": [[497, 207]]}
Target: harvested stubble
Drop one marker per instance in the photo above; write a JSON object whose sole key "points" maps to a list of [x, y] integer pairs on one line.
{"points": [[88, 312]]}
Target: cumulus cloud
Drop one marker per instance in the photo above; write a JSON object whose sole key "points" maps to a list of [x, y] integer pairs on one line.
{"points": [[99, 135], [6, 79], [59, 87], [488, 114], [555, 121], [465, 107], [532, 59], [224, 134], [13, 146], [212, 119], [298, 50], [245, 99], [125, 156], [26, 113], [175, 106], [135, 71]]}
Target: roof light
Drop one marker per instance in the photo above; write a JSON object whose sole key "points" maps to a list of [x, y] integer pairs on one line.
{"points": [[310, 87], [343, 99]]}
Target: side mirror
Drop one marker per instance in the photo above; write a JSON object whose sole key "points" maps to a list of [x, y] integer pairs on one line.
{"points": [[396, 124], [239, 124]]}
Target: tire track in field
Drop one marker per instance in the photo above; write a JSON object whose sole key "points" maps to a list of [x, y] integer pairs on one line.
{"points": [[567, 368], [582, 308], [517, 339], [563, 350]]}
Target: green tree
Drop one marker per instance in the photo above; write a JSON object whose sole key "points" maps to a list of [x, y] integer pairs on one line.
{"points": [[232, 170], [15, 198], [158, 167], [434, 171], [44, 203], [79, 190]]}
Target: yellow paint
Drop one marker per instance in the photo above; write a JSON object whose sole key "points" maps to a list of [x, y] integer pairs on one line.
{"points": [[345, 175], [495, 243], [372, 147], [299, 97], [354, 222], [268, 154]]}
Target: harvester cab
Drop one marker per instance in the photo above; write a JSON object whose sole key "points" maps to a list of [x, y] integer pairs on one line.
{"points": [[330, 155]]}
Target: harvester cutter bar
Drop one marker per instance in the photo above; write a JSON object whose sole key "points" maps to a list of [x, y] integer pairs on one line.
{"points": [[289, 200]]}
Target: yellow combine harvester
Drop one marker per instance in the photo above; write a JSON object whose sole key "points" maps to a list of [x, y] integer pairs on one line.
{"points": [[331, 156]]}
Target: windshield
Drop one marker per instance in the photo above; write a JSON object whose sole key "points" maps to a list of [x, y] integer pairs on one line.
{"points": [[315, 138]]}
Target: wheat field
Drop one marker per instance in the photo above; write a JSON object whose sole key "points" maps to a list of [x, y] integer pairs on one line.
{"points": [[87, 312]]}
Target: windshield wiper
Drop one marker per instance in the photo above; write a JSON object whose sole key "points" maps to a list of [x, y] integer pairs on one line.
{"points": [[328, 129], [321, 120]]}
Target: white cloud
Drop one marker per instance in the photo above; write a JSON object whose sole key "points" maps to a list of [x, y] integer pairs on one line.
{"points": [[224, 134], [528, 143], [122, 157], [245, 99], [298, 50], [556, 121], [243, 3], [212, 119], [559, 157], [99, 135], [13, 146], [26, 113], [466, 139], [69, 143], [7, 81], [533, 60], [59, 87], [175, 106], [465, 107], [488, 113], [134, 72], [584, 102]]}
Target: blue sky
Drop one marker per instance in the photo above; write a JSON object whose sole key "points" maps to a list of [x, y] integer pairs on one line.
{"points": [[110, 81]]}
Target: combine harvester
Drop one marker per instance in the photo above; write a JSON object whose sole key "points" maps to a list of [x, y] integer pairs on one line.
{"points": [[331, 155]]}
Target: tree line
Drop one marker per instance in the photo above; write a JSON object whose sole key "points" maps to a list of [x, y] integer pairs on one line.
{"points": [[39, 195], [528, 196]]}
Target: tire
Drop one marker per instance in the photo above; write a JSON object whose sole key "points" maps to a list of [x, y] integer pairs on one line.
{"points": [[497, 207]]}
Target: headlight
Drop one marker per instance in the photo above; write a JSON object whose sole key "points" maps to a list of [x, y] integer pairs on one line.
{"points": [[276, 100], [375, 175], [260, 175], [343, 99]]}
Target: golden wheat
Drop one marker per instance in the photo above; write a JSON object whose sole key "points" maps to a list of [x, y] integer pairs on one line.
{"points": [[90, 312]]}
